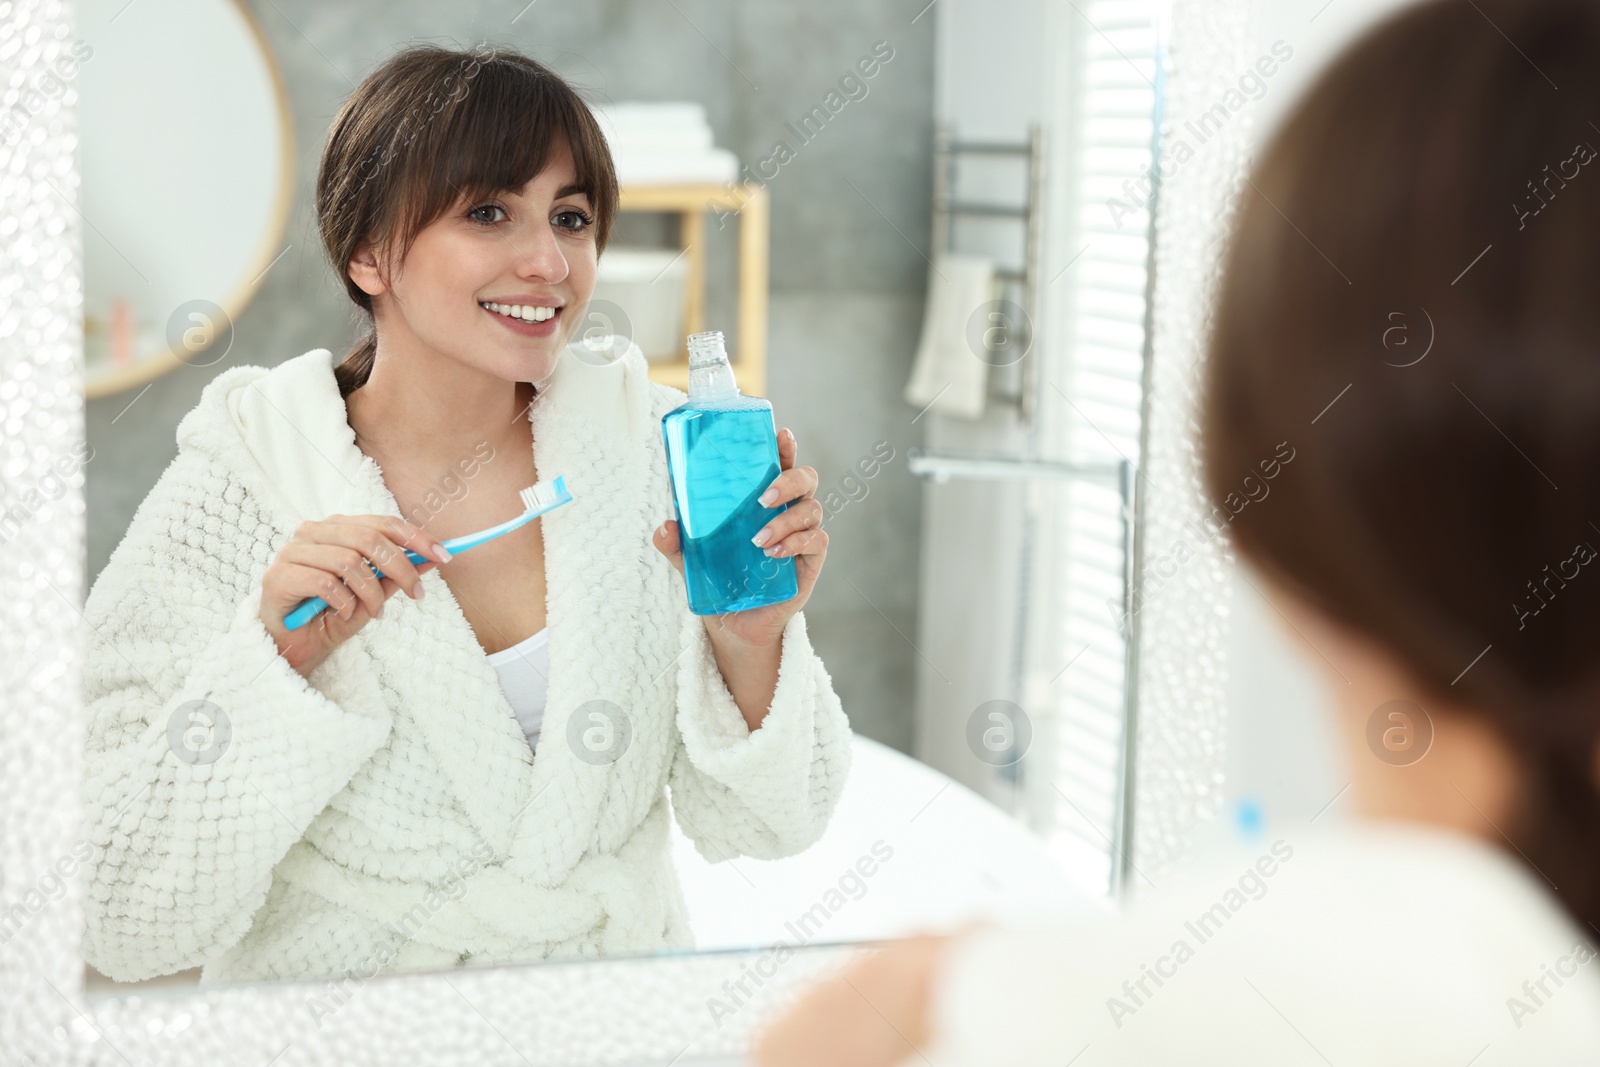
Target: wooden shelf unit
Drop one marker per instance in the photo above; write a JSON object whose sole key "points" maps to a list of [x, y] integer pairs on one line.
{"points": [[691, 203]]}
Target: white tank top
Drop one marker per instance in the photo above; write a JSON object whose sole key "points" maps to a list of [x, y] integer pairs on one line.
{"points": [[524, 671]]}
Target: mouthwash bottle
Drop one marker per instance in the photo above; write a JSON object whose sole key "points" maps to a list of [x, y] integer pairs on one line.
{"points": [[722, 453]]}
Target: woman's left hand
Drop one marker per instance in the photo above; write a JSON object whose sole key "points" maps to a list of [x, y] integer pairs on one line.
{"points": [[876, 1013], [796, 532]]}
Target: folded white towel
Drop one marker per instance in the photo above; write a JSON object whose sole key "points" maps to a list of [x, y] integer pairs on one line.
{"points": [[949, 374], [664, 142], [711, 166], [664, 126], [655, 113]]}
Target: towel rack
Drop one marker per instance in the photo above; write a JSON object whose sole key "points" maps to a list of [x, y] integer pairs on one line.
{"points": [[941, 465], [947, 151]]}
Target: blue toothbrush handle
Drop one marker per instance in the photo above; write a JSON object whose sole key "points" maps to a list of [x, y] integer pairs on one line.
{"points": [[310, 608]]}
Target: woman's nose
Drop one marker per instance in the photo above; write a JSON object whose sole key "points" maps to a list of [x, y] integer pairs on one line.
{"points": [[539, 256]]}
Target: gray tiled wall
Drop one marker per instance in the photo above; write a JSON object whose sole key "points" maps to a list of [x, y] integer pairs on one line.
{"points": [[849, 228]]}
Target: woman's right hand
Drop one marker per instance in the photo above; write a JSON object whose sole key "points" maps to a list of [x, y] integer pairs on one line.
{"points": [[329, 559]]}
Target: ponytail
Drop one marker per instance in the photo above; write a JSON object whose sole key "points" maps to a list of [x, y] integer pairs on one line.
{"points": [[352, 373]]}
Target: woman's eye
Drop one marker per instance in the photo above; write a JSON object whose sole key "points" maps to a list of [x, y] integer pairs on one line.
{"points": [[573, 220], [484, 207]]}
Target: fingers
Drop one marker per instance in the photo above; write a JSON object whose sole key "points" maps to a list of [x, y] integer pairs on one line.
{"points": [[787, 448], [299, 581], [792, 484], [409, 535], [333, 559], [388, 587], [337, 574], [785, 530], [397, 530], [832, 1023], [667, 542], [380, 539], [666, 537], [810, 542]]}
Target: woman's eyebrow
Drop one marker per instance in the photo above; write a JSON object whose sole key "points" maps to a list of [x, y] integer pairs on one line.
{"points": [[565, 190]]}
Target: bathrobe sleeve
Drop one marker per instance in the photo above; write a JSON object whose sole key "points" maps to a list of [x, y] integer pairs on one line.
{"points": [[207, 755], [769, 793]]}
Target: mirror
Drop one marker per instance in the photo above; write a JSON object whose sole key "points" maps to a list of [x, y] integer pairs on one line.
{"points": [[192, 171], [887, 238]]}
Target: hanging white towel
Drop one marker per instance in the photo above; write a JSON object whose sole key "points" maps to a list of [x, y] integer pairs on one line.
{"points": [[951, 373]]}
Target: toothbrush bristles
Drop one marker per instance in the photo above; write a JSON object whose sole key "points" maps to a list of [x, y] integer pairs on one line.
{"points": [[539, 496]]}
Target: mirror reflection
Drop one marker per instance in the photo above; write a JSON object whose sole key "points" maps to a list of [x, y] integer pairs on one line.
{"points": [[606, 511]]}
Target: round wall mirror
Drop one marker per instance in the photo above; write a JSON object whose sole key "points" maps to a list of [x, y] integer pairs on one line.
{"points": [[186, 154]]}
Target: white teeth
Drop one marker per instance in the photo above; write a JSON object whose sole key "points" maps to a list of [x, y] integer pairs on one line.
{"points": [[525, 312]]}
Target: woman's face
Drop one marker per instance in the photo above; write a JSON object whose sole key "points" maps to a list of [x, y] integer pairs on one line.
{"points": [[533, 249]]}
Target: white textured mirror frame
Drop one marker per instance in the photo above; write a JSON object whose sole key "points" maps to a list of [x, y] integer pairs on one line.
{"points": [[1183, 665], [594, 1012]]}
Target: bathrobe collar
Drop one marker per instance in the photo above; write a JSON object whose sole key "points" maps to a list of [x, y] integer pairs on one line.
{"points": [[284, 432]]}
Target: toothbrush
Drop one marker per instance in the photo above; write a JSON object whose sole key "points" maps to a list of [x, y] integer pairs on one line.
{"points": [[536, 501]]}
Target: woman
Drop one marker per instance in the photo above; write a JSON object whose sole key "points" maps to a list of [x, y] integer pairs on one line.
{"points": [[363, 797], [1428, 546]]}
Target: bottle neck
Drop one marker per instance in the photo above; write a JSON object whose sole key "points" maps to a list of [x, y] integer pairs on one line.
{"points": [[710, 374], [714, 381]]}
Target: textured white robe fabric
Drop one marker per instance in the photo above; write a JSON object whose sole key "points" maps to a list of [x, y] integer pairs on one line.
{"points": [[1388, 944], [387, 814]]}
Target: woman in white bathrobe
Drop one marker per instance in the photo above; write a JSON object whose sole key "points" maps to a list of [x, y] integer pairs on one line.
{"points": [[357, 796], [1410, 302]]}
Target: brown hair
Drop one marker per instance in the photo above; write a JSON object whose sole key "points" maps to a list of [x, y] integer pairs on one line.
{"points": [[1435, 183], [432, 125]]}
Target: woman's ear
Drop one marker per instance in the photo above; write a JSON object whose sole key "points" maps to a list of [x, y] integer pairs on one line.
{"points": [[364, 270]]}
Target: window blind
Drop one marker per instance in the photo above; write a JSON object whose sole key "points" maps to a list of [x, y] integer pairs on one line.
{"points": [[1091, 400]]}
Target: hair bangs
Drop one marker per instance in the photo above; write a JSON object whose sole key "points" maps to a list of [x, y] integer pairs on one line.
{"points": [[499, 127]]}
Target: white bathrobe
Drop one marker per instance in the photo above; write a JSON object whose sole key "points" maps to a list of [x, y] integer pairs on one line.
{"points": [[388, 814], [1386, 944]]}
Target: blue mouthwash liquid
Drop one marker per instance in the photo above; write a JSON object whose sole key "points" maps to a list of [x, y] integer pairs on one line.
{"points": [[722, 453]]}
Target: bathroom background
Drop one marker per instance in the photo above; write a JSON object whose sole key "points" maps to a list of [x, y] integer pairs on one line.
{"points": [[846, 274]]}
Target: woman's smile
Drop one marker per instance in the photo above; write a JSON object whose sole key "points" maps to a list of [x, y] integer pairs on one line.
{"points": [[529, 320]]}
